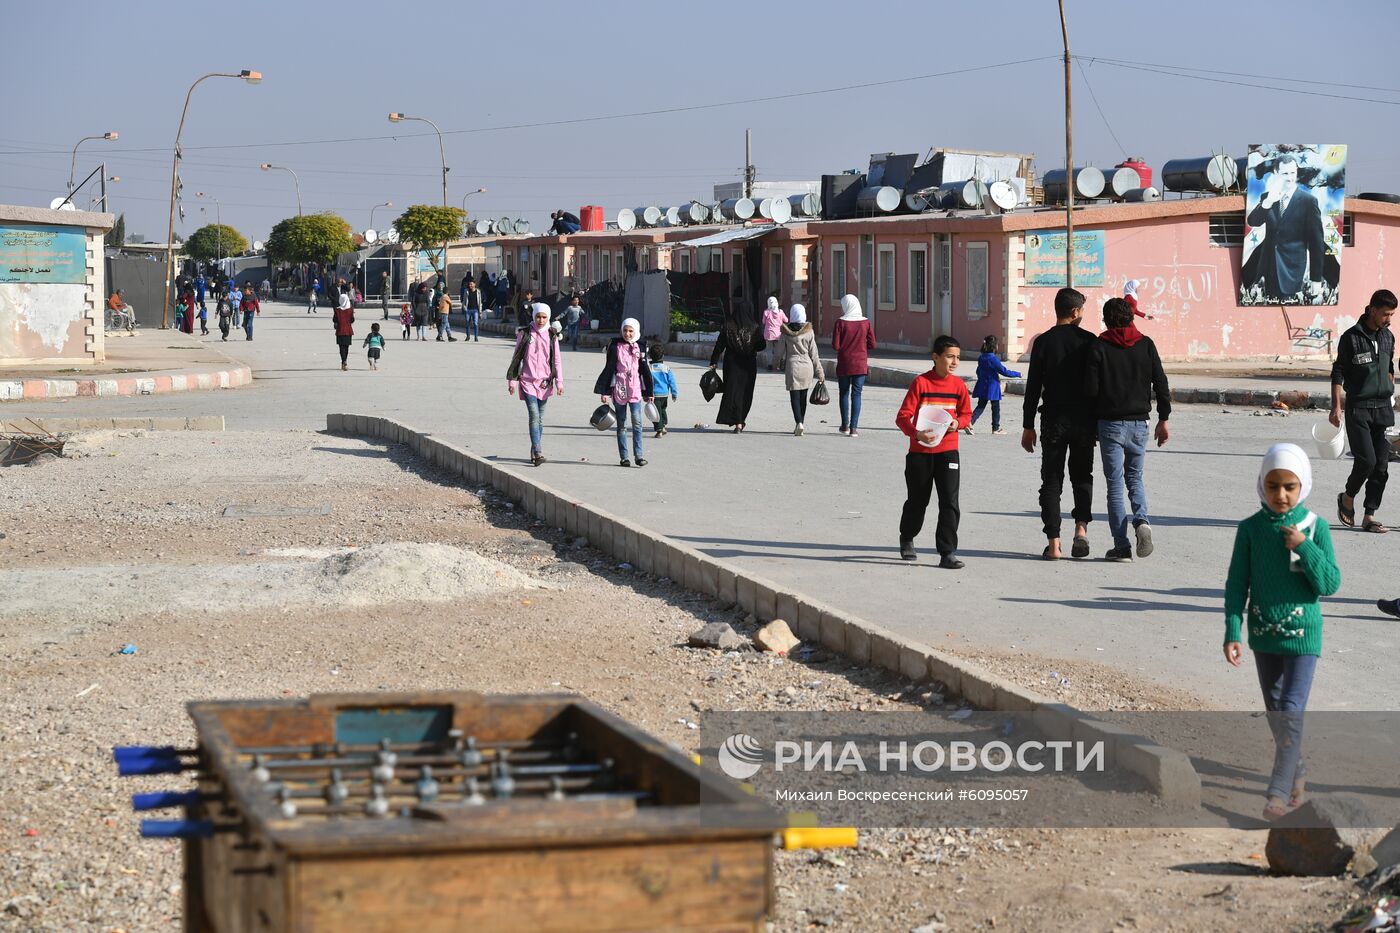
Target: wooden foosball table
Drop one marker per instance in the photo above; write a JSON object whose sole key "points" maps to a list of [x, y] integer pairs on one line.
{"points": [[453, 811]]}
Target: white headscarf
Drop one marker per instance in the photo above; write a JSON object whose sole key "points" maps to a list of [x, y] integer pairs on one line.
{"points": [[636, 328], [537, 309], [1288, 457], [850, 309], [797, 315], [1131, 286], [773, 304], [344, 302]]}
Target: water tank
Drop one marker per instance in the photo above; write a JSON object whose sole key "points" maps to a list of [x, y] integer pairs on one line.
{"points": [[672, 216], [1143, 194], [736, 209], [716, 213], [1003, 194], [626, 219], [1382, 196], [805, 205], [916, 203], [1088, 183], [481, 227], [781, 210], [591, 217], [1206, 173], [647, 216], [763, 207], [879, 199], [1143, 170], [521, 227], [1119, 181], [692, 213], [959, 195]]}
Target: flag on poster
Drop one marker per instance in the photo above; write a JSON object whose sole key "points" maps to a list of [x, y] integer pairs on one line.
{"points": [[1293, 224]]}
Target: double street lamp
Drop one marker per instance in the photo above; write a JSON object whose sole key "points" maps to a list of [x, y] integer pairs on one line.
{"points": [[252, 77], [268, 166], [218, 224]]}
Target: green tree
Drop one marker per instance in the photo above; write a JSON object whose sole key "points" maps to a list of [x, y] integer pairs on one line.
{"points": [[215, 241], [311, 238], [428, 227], [116, 237]]}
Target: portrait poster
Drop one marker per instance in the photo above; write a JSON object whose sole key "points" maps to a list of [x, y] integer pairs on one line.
{"points": [[1293, 220]]}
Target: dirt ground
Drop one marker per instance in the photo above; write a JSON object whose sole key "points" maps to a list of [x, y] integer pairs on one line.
{"points": [[126, 543]]}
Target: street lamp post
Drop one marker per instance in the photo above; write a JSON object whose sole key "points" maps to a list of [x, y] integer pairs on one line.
{"points": [[469, 194], [375, 208], [73, 165], [268, 166], [252, 77], [442, 153], [101, 200]]}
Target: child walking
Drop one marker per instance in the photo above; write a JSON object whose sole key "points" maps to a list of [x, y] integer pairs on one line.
{"points": [[1281, 565], [626, 381], [988, 387], [406, 321], [931, 461], [375, 342], [663, 382], [802, 364], [537, 370]]}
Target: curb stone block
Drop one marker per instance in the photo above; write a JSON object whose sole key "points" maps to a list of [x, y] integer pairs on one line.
{"points": [[644, 557], [726, 585], [913, 663], [857, 643], [1168, 772], [665, 560], [709, 577], [631, 546], [947, 672], [884, 651], [746, 592], [980, 688], [765, 601], [785, 608], [605, 535], [59, 389], [693, 577], [832, 629], [1056, 720], [805, 619]]}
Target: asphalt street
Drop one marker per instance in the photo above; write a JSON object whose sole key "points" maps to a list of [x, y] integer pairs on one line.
{"points": [[820, 512]]}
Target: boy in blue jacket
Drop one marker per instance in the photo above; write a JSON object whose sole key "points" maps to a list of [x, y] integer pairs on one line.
{"points": [[663, 383], [988, 387]]}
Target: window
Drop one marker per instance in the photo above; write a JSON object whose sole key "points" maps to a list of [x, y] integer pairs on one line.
{"points": [[552, 271], [918, 277], [684, 262], [582, 269], [1346, 225], [775, 272], [716, 260], [604, 266], [977, 280], [945, 265], [1227, 229], [838, 274], [885, 282]]}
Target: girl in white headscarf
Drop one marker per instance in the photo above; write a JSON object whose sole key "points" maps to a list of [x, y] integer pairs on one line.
{"points": [[1130, 290], [802, 366], [1282, 564], [852, 341], [773, 321], [626, 383]]}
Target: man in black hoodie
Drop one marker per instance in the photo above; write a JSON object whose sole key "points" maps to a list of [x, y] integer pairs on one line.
{"points": [[1067, 425], [1124, 372], [1365, 369]]}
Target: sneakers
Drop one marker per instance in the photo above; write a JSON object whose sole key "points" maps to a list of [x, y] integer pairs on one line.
{"points": [[625, 463], [798, 431], [968, 430], [906, 550], [1144, 538], [843, 430], [658, 433], [1121, 555], [1000, 431], [1080, 548], [1390, 607], [950, 562], [854, 433], [641, 462]]}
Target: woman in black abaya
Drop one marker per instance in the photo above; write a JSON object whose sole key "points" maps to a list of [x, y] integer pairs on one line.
{"points": [[739, 343]]}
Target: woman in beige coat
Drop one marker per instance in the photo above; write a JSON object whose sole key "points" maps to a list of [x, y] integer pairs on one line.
{"points": [[803, 366]]}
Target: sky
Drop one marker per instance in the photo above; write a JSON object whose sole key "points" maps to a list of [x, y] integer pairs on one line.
{"points": [[332, 72]]}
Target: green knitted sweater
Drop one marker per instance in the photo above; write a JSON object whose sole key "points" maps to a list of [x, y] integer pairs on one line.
{"points": [[1281, 594]]}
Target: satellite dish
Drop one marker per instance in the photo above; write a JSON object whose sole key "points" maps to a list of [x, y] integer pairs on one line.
{"points": [[391, 236], [371, 235], [257, 246], [61, 204]]}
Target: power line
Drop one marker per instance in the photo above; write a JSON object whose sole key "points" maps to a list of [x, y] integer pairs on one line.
{"points": [[1095, 98], [1263, 87], [1245, 74]]}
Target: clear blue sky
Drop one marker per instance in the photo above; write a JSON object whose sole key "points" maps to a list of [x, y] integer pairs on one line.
{"points": [[335, 70]]}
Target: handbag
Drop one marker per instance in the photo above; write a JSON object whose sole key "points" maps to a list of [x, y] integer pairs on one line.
{"points": [[820, 396]]}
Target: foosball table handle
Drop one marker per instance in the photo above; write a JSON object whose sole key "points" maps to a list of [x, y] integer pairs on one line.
{"points": [[147, 759], [162, 799], [177, 829]]}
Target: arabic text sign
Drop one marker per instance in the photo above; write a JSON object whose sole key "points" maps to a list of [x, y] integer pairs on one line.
{"points": [[1045, 258], [55, 255]]}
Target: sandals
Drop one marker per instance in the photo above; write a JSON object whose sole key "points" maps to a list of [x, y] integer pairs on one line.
{"points": [[1276, 809], [1081, 547], [1347, 515], [1374, 527], [1046, 555]]}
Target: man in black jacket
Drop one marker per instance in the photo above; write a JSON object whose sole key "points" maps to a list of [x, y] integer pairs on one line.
{"points": [[1365, 368], [1067, 425], [1123, 373]]}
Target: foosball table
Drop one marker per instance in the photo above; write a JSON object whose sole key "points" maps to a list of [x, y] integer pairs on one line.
{"points": [[452, 811]]}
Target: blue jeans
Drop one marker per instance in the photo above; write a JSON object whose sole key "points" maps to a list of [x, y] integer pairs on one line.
{"points": [[472, 328], [571, 334], [248, 324], [850, 388], [1285, 681], [535, 406], [996, 411], [444, 327], [1123, 448], [621, 410]]}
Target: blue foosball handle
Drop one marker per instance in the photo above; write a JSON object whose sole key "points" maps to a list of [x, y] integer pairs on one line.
{"points": [[177, 829], [147, 759], [161, 799]]}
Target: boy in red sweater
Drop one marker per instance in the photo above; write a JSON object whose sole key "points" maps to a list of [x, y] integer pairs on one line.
{"points": [[929, 465]]}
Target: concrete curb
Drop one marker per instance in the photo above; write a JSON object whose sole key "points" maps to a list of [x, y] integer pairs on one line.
{"points": [[1169, 773], [892, 378], [70, 425], [29, 390]]}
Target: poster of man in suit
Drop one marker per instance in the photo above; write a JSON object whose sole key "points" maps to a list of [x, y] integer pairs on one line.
{"points": [[1293, 224]]}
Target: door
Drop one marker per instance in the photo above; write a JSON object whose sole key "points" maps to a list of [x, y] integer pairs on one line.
{"points": [[942, 286], [867, 274]]}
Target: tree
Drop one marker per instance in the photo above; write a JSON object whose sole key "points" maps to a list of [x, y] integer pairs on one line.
{"points": [[116, 237], [215, 241], [427, 227], [313, 238]]}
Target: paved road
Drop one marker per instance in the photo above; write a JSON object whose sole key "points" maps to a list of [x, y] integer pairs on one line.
{"points": [[820, 512]]}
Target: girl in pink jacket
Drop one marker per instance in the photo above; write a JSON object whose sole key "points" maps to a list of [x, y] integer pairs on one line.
{"points": [[537, 371], [773, 321]]}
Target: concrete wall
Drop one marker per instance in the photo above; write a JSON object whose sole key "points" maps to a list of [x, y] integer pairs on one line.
{"points": [[43, 324]]}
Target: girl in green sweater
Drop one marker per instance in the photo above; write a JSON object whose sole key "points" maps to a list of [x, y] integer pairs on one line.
{"points": [[1282, 564]]}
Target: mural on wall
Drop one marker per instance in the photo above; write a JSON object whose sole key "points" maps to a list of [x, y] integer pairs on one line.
{"points": [[1045, 259], [41, 254], [1293, 224]]}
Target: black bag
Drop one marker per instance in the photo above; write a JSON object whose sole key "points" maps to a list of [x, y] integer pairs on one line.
{"points": [[819, 394], [711, 384]]}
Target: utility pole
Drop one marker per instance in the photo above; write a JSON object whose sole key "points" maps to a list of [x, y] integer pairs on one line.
{"points": [[1069, 158], [748, 164]]}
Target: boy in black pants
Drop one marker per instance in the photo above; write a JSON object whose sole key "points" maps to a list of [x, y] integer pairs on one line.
{"points": [[1365, 368], [932, 461]]}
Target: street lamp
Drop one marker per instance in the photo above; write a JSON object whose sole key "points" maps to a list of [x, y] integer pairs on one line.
{"points": [[469, 194], [268, 166], [218, 224], [252, 77], [101, 200], [73, 165], [442, 150], [375, 208]]}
